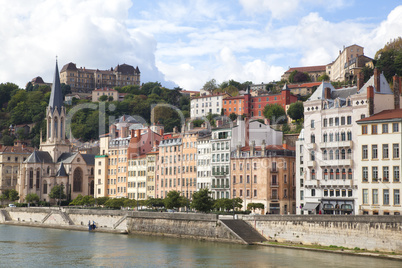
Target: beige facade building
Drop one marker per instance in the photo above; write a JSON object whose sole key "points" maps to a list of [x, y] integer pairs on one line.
{"points": [[265, 174], [86, 80]]}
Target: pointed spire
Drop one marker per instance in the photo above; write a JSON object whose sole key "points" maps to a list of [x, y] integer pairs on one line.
{"points": [[62, 171], [56, 95], [285, 87]]}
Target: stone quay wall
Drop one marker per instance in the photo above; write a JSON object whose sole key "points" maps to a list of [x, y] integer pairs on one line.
{"points": [[382, 233], [199, 226]]}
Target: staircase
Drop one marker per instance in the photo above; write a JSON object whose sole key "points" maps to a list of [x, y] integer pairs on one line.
{"points": [[5, 215], [244, 231], [119, 221]]}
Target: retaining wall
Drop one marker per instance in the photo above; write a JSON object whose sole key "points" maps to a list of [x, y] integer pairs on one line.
{"points": [[382, 233]]}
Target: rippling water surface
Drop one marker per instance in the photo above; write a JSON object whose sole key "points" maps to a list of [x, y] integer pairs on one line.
{"points": [[43, 247]]}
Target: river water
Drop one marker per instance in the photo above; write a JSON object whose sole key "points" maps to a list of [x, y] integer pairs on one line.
{"points": [[44, 247]]}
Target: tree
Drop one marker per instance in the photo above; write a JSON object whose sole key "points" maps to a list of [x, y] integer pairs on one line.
{"points": [[275, 113], [115, 203], [101, 200], [202, 201], [367, 73], [233, 116], [155, 202], [174, 200], [210, 85], [13, 195], [254, 206], [103, 98], [57, 192], [110, 98], [323, 77], [32, 198], [296, 110]]}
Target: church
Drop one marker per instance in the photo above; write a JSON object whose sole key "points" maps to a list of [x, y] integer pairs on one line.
{"points": [[55, 163]]}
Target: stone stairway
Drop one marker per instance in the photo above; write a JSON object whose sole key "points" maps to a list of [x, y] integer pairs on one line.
{"points": [[244, 231], [119, 221], [5, 215]]}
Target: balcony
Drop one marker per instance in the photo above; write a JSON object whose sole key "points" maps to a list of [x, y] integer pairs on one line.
{"points": [[337, 162], [311, 164], [274, 170], [311, 146], [220, 186], [274, 197], [336, 144], [275, 184], [217, 174]]}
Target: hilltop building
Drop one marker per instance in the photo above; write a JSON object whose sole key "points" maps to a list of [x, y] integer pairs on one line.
{"points": [[86, 80]]}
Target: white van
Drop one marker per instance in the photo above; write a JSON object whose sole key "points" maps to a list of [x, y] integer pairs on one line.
{"points": [[11, 205]]}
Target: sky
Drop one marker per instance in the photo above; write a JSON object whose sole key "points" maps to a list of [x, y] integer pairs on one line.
{"points": [[187, 43]]}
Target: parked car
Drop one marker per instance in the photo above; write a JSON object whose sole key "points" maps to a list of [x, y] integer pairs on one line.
{"points": [[12, 205]]}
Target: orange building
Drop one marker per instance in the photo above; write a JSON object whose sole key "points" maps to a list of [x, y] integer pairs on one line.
{"points": [[234, 105]]}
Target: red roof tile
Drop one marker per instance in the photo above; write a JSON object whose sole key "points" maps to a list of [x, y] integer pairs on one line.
{"points": [[318, 68], [384, 115], [312, 84]]}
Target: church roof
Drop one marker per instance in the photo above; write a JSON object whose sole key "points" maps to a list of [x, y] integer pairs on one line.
{"points": [[56, 96], [66, 157], [62, 171], [89, 159], [39, 157]]}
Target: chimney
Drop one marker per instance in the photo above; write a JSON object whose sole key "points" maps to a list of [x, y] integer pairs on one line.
{"points": [[360, 80], [252, 148], [124, 132], [247, 131], [263, 145], [238, 150], [112, 131], [327, 93], [370, 98], [397, 92], [377, 79], [285, 145], [161, 130]]}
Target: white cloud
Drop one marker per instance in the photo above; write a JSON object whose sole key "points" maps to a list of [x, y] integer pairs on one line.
{"points": [[279, 9], [89, 33]]}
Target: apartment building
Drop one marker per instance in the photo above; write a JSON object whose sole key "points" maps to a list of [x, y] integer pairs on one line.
{"points": [[137, 177], [264, 174], [379, 165], [152, 158], [11, 159], [204, 179], [339, 69], [313, 71], [85, 80], [326, 150], [203, 105]]}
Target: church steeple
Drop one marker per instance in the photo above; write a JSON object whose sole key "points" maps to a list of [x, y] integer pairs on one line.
{"points": [[56, 96]]}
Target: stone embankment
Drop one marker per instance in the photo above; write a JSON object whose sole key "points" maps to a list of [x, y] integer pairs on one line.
{"points": [[374, 233]]}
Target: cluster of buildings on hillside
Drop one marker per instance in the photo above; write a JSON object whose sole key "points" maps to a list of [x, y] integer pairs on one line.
{"points": [[338, 165]]}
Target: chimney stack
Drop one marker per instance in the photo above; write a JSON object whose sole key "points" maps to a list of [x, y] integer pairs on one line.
{"points": [[252, 148], [377, 79], [370, 99], [247, 131], [360, 80], [397, 93], [238, 150], [263, 145]]}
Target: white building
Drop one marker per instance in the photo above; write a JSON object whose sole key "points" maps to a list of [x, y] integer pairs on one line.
{"points": [[329, 144], [379, 163], [202, 106], [204, 179], [220, 161]]}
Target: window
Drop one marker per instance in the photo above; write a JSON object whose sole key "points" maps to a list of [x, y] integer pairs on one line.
{"points": [[384, 128], [385, 151], [342, 120], [331, 122], [349, 120], [365, 196], [395, 150], [396, 173], [385, 197], [336, 121], [349, 135], [312, 137], [313, 174], [364, 129], [373, 129], [397, 200], [374, 151], [312, 192], [375, 196], [385, 174], [325, 123], [312, 124], [374, 173], [325, 137], [395, 127]]}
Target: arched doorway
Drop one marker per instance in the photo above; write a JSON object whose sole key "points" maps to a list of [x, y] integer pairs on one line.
{"points": [[77, 180]]}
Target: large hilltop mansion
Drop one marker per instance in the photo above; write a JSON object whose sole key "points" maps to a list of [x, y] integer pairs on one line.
{"points": [[86, 80]]}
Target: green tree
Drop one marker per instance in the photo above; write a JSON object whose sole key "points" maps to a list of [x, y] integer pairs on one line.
{"points": [[296, 110], [101, 200], [31, 198], [254, 206], [110, 98], [115, 203], [202, 201], [323, 77], [57, 192], [103, 98], [275, 113], [210, 85], [155, 202], [13, 195], [7, 140], [174, 200], [233, 116]]}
